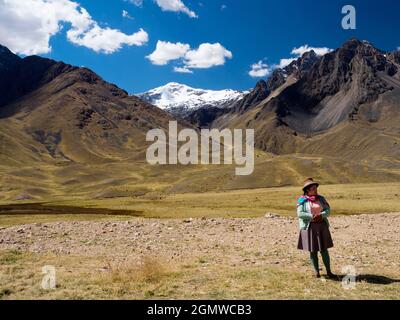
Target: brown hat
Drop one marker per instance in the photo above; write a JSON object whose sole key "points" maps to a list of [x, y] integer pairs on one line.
{"points": [[309, 182]]}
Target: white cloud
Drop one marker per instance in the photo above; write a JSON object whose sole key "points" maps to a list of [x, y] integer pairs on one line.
{"points": [[303, 49], [26, 27], [137, 3], [298, 52], [126, 14], [284, 62], [207, 55], [107, 40], [259, 70], [167, 51], [175, 6], [182, 70]]}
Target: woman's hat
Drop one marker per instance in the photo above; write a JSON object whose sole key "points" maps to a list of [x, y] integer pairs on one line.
{"points": [[309, 182]]}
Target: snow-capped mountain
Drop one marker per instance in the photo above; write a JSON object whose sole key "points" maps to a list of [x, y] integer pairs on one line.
{"points": [[181, 99]]}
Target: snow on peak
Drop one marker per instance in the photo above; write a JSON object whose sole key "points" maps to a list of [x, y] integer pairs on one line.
{"points": [[176, 95]]}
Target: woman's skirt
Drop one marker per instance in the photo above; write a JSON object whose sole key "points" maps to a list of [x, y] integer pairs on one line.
{"points": [[316, 238]]}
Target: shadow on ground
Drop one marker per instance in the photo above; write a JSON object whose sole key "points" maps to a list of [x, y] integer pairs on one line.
{"points": [[376, 279], [369, 278]]}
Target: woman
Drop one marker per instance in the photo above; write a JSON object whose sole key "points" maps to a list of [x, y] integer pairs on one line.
{"points": [[313, 211]]}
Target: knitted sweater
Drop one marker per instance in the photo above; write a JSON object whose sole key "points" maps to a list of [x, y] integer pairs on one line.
{"points": [[305, 215]]}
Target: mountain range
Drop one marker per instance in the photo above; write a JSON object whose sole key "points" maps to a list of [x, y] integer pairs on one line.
{"points": [[64, 131], [344, 104], [52, 109]]}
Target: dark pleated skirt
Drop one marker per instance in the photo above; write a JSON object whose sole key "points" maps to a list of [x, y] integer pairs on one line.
{"points": [[316, 238]]}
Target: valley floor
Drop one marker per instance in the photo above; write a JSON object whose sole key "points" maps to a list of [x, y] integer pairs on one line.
{"points": [[200, 258]]}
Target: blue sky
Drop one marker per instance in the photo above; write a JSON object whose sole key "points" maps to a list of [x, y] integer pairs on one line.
{"points": [[247, 32]]}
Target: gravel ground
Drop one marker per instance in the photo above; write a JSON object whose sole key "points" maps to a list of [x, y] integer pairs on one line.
{"points": [[369, 242]]}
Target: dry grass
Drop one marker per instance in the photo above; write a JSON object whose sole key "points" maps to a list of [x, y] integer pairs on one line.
{"points": [[84, 278], [152, 277], [344, 199], [133, 179], [148, 269]]}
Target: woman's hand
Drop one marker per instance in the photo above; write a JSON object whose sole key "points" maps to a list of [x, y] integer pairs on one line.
{"points": [[317, 218]]}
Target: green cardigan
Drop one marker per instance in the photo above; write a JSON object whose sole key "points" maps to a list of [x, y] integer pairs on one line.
{"points": [[305, 215]]}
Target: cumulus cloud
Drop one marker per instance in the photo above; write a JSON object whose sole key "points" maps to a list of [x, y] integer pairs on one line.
{"points": [[259, 70], [298, 52], [182, 70], [284, 62], [175, 6], [306, 48], [26, 27], [107, 40], [126, 14], [207, 55], [167, 51]]}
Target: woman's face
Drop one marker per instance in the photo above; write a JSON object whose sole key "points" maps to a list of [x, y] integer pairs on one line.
{"points": [[313, 190]]}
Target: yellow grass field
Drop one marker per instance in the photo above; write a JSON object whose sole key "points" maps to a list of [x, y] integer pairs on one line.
{"points": [[345, 199], [235, 254]]}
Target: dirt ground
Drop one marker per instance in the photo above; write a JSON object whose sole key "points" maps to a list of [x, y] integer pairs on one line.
{"points": [[369, 242]]}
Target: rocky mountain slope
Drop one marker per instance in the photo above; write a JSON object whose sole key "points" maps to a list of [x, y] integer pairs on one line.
{"points": [[50, 110], [345, 104]]}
